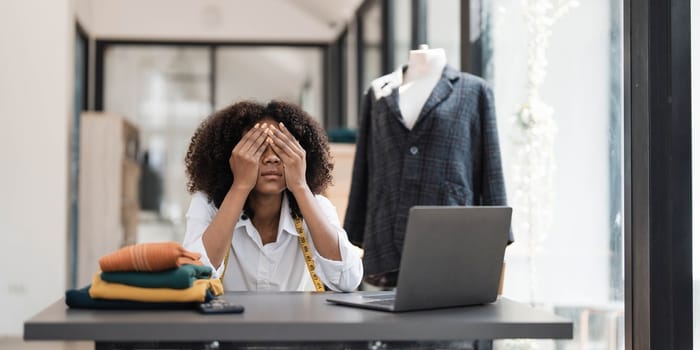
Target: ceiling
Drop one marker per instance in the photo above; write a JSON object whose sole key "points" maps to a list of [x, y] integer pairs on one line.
{"points": [[313, 21], [334, 12]]}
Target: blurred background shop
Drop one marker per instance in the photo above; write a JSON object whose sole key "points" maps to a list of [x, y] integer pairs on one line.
{"points": [[99, 99]]}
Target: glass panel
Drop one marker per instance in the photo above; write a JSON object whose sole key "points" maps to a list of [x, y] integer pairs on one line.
{"points": [[79, 105], [352, 89], [555, 122], [164, 91], [402, 32], [252, 73], [443, 22], [371, 49]]}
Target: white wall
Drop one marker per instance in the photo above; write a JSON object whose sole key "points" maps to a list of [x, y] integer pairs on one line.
{"points": [[83, 14], [36, 59]]}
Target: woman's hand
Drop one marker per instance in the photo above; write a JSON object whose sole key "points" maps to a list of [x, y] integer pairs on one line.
{"points": [[293, 157], [245, 157]]}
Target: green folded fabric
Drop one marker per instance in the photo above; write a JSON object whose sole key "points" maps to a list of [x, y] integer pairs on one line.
{"points": [[80, 299], [179, 278]]}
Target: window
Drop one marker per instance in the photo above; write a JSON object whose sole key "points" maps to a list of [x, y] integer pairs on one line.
{"points": [[166, 90], [401, 32], [370, 44], [79, 105], [443, 21], [554, 123], [265, 73]]}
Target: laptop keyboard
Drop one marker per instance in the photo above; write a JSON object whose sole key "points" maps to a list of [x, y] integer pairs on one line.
{"points": [[387, 302], [391, 296]]}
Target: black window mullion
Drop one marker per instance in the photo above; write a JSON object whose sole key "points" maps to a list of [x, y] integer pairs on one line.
{"points": [[212, 76], [419, 21], [387, 35], [360, 42], [658, 185]]}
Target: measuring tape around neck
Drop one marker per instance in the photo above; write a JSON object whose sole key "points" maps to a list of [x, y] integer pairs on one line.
{"points": [[307, 255]]}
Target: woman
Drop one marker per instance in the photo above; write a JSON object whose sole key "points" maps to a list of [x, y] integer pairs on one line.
{"points": [[255, 173]]}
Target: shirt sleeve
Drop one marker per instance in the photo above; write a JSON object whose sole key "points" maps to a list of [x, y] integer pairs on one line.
{"points": [[199, 216], [344, 275]]}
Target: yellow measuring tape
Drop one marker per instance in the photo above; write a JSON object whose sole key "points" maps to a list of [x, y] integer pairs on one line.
{"points": [[307, 255], [304, 244]]}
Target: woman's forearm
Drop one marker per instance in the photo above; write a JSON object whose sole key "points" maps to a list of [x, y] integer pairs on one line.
{"points": [[217, 237], [325, 238]]}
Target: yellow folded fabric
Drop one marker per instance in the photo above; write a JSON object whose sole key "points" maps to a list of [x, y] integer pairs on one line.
{"points": [[117, 291]]}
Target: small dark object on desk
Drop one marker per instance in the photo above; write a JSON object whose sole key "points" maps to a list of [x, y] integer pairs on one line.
{"points": [[220, 306]]}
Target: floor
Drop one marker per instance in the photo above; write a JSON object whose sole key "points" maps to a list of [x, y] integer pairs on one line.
{"points": [[19, 344]]}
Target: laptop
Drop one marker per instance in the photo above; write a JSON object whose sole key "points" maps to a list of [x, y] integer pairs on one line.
{"points": [[452, 256]]}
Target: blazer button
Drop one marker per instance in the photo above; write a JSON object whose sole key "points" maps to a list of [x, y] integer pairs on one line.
{"points": [[413, 150]]}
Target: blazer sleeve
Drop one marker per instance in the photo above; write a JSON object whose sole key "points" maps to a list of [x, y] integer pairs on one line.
{"points": [[356, 212], [493, 191]]}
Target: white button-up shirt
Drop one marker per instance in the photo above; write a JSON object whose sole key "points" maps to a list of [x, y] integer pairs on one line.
{"points": [[278, 265]]}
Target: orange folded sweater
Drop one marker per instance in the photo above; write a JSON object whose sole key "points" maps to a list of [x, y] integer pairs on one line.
{"points": [[149, 257]]}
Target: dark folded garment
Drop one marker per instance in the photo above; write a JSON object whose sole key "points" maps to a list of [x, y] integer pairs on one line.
{"points": [[80, 299], [178, 278]]}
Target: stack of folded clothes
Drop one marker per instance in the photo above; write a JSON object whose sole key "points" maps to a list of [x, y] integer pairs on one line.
{"points": [[148, 276]]}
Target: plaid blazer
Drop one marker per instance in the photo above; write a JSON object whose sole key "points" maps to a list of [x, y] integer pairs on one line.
{"points": [[451, 156]]}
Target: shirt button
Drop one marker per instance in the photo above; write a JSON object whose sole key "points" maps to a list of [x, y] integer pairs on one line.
{"points": [[413, 150]]}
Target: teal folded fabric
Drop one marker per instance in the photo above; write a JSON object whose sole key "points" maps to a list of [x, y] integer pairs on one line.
{"points": [[179, 278], [80, 299]]}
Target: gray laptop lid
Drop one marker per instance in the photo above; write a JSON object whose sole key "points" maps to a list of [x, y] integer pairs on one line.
{"points": [[452, 256]]}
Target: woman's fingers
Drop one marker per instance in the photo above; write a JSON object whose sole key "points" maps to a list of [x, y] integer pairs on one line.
{"points": [[286, 139], [292, 155], [254, 138], [283, 143], [244, 143], [262, 146], [254, 142], [257, 141], [280, 146], [293, 141]]}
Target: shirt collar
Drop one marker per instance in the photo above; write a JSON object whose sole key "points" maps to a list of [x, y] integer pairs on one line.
{"points": [[383, 85], [286, 221]]}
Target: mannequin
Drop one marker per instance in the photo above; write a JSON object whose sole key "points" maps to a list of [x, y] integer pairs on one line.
{"points": [[427, 135], [424, 70]]}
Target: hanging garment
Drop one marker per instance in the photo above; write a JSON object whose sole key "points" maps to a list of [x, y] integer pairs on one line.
{"points": [[451, 156]]}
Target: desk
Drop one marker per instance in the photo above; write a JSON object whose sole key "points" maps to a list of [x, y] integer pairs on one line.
{"points": [[296, 318]]}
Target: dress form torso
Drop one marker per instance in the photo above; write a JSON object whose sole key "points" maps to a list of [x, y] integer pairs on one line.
{"points": [[424, 70], [396, 168]]}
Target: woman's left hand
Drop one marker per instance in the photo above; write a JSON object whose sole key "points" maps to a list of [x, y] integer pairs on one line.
{"points": [[292, 154]]}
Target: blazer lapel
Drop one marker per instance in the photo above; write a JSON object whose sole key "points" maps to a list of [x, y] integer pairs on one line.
{"points": [[387, 107], [443, 89], [392, 104], [440, 92]]}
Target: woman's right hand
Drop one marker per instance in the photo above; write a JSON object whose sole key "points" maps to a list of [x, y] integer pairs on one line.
{"points": [[245, 157]]}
